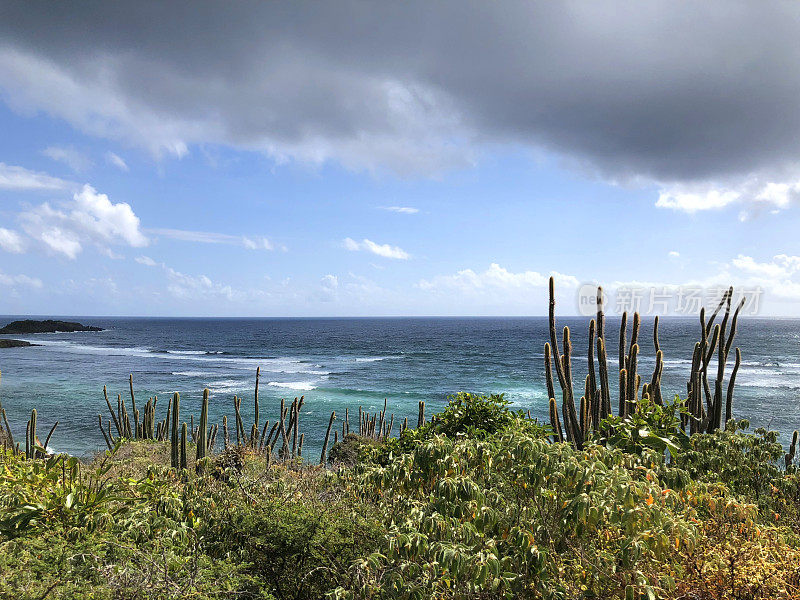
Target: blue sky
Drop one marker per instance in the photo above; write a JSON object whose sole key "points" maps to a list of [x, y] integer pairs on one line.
{"points": [[112, 203]]}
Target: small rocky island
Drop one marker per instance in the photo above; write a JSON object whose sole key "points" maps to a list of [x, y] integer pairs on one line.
{"points": [[47, 326], [4, 343]]}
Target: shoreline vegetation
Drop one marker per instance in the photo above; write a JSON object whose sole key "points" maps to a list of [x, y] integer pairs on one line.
{"points": [[668, 496]]}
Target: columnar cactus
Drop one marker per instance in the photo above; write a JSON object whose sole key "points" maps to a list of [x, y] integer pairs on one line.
{"points": [[32, 437], [133, 408], [202, 432], [324, 456], [605, 391], [555, 422], [255, 403], [175, 440], [183, 460]]}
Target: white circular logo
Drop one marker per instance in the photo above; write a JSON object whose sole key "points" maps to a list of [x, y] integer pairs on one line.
{"points": [[587, 299]]}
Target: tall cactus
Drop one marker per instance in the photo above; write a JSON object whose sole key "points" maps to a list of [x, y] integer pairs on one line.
{"points": [[731, 383], [575, 435], [255, 404], [31, 452], [555, 422], [631, 394], [605, 391], [324, 456], [175, 441], [133, 408], [554, 336], [591, 386], [202, 434], [183, 460], [548, 371]]}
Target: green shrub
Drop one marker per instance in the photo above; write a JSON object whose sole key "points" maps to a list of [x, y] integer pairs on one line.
{"points": [[649, 426], [349, 451], [293, 530], [466, 415], [515, 516]]}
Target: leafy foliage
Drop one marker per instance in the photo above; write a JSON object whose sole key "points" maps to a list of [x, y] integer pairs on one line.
{"points": [[649, 426], [477, 504], [466, 415]]}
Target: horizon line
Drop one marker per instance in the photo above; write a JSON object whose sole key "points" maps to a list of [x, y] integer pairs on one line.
{"points": [[421, 316]]}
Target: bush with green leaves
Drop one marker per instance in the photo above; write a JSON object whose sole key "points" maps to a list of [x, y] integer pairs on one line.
{"points": [[476, 416], [294, 530], [649, 426], [69, 530], [515, 516]]}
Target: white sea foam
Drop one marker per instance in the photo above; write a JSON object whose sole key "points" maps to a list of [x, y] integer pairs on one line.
{"points": [[191, 373], [226, 385], [268, 365], [304, 386], [67, 346], [375, 358]]}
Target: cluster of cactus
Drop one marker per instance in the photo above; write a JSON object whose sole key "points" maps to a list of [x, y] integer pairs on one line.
{"points": [[374, 425], [595, 404], [33, 446], [286, 429], [704, 412], [202, 435]]}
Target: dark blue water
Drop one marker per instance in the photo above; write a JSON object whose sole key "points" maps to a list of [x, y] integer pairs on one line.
{"points": [[339, 363]]}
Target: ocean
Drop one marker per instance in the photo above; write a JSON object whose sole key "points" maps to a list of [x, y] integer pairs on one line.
{"points": [[347, 363]]}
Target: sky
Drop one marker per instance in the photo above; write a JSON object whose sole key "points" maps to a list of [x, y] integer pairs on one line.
{"points": [[390, 159]]}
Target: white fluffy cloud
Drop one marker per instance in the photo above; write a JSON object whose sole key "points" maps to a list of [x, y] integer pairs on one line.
{"points": [[19, 178], [90, 217], [11, 241], [751, 195], [692, 201], [384, 250], [493, 280]]}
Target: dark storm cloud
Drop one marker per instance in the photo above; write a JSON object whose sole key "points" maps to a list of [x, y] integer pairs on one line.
{"points": [[664, 91]]}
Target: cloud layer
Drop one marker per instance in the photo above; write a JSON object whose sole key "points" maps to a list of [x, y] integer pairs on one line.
{"points": [[664, 92]]}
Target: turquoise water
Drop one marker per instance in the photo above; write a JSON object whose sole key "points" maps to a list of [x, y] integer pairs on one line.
{"points": [[339, 363]]}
